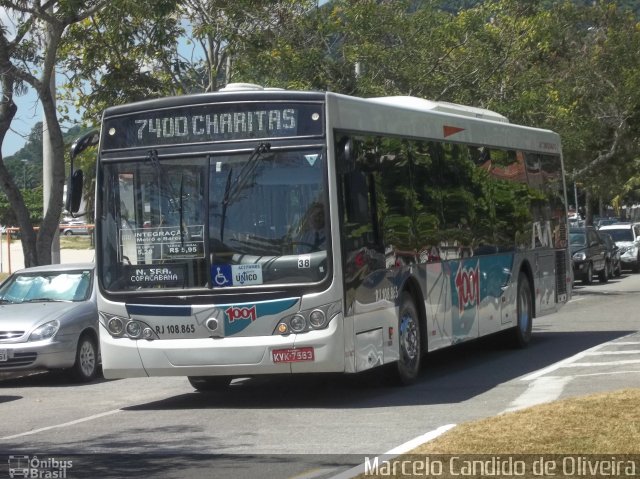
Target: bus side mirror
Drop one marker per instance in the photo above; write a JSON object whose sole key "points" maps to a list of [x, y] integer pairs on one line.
{"points": [[76, 178], [345, 155], [74, 191]]}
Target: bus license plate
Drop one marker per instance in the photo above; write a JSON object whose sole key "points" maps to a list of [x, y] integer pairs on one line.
{"points": [[4, 355], [176, 331], [292, 355]]}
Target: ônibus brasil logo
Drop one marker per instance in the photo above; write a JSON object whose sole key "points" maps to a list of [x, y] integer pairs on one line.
{"points": [[236, 313], [468, 287]]}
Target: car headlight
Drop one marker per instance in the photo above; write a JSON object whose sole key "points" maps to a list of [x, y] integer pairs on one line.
{"points": [[45, 331], [581, 256]]}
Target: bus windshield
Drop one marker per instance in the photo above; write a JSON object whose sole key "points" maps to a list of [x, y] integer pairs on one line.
{"points": [[219, 221]]}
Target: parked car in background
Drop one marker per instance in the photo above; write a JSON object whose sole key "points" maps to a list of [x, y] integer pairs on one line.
{"points": [[606, 221], [49, 320], [74, 228], [627, 237], [589, 255], [576, 223], [613, 254]]}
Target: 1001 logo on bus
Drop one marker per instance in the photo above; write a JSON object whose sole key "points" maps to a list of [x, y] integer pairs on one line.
{"points": [[468, 287], [235, 313]]}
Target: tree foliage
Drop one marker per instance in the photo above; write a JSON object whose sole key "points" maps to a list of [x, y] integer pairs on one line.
{"points": [[28, 56], [571, 66]]}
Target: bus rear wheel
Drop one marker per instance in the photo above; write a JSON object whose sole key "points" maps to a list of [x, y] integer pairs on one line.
{"points": [[209, 383], [521, 334], [410, 347]]}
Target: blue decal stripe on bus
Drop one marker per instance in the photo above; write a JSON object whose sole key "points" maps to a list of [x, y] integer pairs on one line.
{"points": [[144, 310], [275, 307]]}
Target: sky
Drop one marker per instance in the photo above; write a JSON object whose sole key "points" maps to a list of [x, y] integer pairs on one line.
{"points": [[29, 113], [29, 110]]}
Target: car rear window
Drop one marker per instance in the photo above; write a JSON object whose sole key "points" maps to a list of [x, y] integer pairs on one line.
{"points": [[621, 234]]}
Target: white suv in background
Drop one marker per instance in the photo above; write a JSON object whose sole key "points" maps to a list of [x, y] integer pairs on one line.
{"points": [[627, 238]]}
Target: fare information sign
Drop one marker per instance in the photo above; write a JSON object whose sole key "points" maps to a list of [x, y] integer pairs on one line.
{"points": [[211, 123]]}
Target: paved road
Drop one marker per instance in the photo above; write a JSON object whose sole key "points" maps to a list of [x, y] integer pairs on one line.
{"points": [[315, 427], [12, 258]]}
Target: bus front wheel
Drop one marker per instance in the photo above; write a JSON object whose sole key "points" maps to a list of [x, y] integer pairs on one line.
{"points": [[209, 383], [408, 365]]}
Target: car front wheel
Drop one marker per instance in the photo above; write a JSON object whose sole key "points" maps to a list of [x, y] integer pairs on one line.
{"points": [[85, 368]]}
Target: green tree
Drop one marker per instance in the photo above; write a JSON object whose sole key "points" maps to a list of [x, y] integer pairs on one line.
{"points": [[135, 50], [28, 55]]}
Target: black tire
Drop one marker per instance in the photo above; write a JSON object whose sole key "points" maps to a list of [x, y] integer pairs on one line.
{"points": [[521, 334], [68, 233], [86, 366], [588, 275], [209, 383], [410, 343], [603, 276]]}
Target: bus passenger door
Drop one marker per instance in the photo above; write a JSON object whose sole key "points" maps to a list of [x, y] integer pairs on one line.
{"points": [[370, 295], [545, 267]]}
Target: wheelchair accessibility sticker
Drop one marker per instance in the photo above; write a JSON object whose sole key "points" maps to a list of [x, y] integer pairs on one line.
{"points": [[223, 275]]}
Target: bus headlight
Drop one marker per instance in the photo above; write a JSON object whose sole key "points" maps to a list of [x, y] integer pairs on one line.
{"points": [[317, 318], [134, 329], [298, 323], [120, 327], [115, 326], [308, 320]]}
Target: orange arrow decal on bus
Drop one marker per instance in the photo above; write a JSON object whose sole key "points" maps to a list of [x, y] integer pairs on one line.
{"points": [[451, 130]]}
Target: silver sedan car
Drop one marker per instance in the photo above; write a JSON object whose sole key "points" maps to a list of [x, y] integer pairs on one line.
{"points": [[49, 320]]}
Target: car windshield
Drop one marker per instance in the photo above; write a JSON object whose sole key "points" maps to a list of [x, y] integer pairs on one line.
{"points": [[47, 286], [224, 220], [621, 234], [577, 239]]}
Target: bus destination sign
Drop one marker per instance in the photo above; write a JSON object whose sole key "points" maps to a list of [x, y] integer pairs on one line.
{"points": [[212, 123]]}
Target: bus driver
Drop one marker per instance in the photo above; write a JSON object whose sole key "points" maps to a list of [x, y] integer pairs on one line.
{"points": [[312, 234]]}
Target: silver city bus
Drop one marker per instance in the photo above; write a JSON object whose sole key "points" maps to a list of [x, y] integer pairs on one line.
{"points": [[255, 231]]}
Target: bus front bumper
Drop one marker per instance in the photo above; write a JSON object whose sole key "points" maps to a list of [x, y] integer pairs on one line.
{"points": [[232, 356]]}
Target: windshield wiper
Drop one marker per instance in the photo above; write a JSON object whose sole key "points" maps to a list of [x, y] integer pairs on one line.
{"points": [[233, 189], [43, 300]]}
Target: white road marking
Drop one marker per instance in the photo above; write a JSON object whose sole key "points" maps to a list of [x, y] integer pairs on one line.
{"points": [[396, 451], [541, 390], [413, 443], [70, 423], [545, 388], [607, 363], [603, 353], [559, 364], [607, 373]]}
